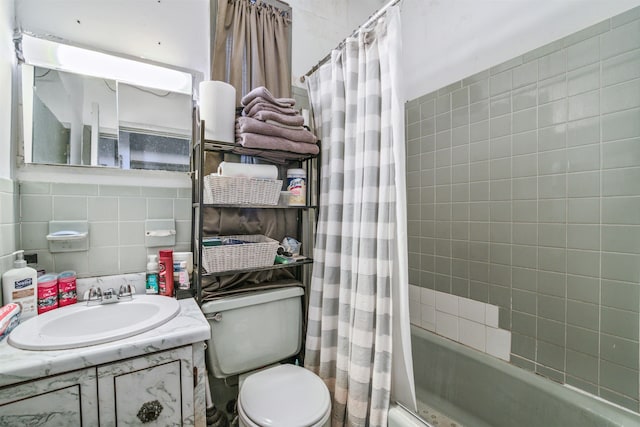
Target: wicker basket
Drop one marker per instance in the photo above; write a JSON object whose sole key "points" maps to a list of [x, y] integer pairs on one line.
{"points": [[261, 252], [242, 191]]}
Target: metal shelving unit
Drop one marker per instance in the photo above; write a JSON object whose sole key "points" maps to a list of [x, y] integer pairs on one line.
{"points": [[306, 226]]}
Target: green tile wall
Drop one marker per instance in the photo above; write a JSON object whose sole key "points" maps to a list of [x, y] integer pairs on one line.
{"points": [[9, 228], [524, 192], [116, 216]]}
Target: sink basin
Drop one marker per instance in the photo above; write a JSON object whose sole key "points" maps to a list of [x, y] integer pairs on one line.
{"points": [[80, 326]]}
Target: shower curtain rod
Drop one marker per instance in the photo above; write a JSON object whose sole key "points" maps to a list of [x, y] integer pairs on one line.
{"points": [[372, 18]]}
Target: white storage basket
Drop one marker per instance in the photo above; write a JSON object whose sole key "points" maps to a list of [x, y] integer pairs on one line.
{"points": [[241, 191], [260, 252]]}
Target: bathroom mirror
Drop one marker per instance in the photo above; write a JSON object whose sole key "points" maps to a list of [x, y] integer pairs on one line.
{"points": [[154, 128], [84, 107], [73, 117]]}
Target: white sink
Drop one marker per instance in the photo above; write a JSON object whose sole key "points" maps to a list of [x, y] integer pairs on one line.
{"points": [[80, 326]]}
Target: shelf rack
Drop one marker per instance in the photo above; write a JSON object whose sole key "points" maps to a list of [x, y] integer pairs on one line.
{"points": [[202, 145]]}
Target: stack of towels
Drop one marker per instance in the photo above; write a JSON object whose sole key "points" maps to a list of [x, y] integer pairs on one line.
{"points": [[272, 128]]}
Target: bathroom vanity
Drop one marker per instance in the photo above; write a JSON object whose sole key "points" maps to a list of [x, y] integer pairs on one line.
{"points": [[156, 378]]}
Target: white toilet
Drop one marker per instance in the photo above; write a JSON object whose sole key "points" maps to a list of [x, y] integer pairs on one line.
{"points": [[258, 329]]}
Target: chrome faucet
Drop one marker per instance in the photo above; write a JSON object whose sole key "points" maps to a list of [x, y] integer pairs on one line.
{"points": [[109, 296], [95, 295]]}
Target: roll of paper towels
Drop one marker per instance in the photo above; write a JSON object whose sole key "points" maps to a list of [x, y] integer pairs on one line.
{"points": [[248, 170], [218, 110]]}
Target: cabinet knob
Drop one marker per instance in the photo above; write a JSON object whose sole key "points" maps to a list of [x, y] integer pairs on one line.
{"points": [[149, 411]]}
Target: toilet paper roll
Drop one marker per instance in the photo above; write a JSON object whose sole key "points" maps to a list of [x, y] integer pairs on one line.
{"points": [[218, 110], [248, 170]]}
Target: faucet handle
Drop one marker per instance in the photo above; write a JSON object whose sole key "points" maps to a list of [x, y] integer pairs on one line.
{"points": [[126, 291], [93, 295]]}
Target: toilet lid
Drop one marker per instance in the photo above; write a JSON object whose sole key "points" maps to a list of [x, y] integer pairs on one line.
{"points": [[284, 396]]}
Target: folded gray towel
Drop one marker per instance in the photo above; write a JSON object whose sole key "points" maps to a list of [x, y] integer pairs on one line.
{"points": [[254, 140], [285, 119], [282, 125], [262, 104], [264, 93], [251, 125]]}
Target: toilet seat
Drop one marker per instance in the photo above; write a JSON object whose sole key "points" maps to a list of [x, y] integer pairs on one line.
{"points": [[284, 396]]}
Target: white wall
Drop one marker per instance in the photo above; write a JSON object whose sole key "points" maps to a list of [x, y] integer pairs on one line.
{"points": [[318, 27], [173, 32], [447, 40], [7, 65]]}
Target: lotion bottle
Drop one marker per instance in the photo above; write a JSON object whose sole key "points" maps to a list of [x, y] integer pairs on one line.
{"points": [[19, 285]]}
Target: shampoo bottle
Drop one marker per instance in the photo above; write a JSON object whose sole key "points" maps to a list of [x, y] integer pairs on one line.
{"points": [[19, 286], [152, 275], [165, 273]]}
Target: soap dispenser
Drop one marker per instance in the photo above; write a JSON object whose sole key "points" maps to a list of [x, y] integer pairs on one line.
{"points": [[19, 286], [152, 275]]}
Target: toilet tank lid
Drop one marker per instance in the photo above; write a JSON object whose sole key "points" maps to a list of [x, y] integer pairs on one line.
{"points": [[252, 298]]}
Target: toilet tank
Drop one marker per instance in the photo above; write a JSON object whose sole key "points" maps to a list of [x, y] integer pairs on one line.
{"points": [[252, 330]]}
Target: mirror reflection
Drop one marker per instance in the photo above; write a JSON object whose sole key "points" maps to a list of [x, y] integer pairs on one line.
{"points": [[154, 128], [76, 119], [73, 115]]}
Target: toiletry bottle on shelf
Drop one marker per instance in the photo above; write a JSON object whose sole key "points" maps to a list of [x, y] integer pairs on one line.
{"points": [[165, 273], [19, 285], [297, 186], [152, 275]]}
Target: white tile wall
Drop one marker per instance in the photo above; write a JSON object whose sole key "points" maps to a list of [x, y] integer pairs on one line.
{"points": [[469, 322], [9, 229]]}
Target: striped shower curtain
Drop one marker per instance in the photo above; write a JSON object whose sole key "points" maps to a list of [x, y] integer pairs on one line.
{"points": [[349, 335]]}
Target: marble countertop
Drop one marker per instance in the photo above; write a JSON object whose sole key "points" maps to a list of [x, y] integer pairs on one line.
{"points": [[188, 327]]}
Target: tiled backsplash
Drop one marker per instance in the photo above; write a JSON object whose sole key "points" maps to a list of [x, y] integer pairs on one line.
{"points": [[472, 323], [9, 227], [116, 216], [524, 192]]}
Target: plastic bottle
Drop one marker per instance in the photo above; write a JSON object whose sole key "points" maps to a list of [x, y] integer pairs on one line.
{"points": [[152, 275], [297, 186], [183, 277], [165, 273], [67, 293], [47, 293], [179, 268], [19, 285]]}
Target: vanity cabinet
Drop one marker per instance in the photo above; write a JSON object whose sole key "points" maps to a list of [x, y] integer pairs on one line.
{"points": [[157, 389], [69, 399]]}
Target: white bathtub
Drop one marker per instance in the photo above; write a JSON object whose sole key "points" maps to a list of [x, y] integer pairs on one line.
{"points": [[400, 417]]}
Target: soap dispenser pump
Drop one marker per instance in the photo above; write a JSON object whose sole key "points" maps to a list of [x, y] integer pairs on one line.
{"points": [[19, 285]]}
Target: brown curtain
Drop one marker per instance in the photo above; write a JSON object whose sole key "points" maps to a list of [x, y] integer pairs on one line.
{"points": [[251, 47]]}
